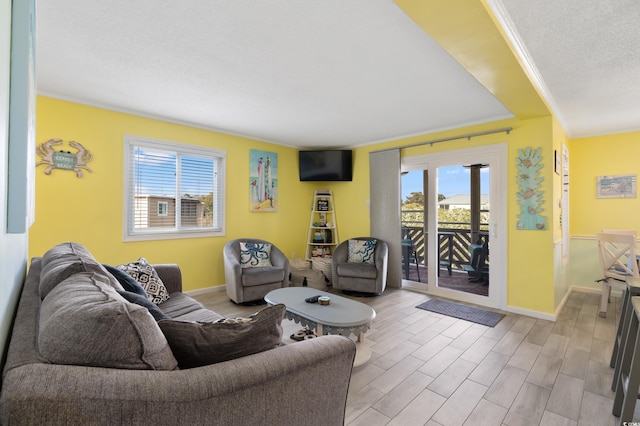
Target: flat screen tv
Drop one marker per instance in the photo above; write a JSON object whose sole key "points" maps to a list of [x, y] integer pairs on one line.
{"points": [[325, 166]]}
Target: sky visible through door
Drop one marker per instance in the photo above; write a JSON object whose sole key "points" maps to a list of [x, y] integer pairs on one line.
{"points": [[455, 181]]}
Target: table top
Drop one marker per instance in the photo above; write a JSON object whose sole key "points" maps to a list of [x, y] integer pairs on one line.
{"points": [[633, 282], [341, 312]]}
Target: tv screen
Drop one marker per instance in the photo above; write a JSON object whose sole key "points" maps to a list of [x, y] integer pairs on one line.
{"points": [[330, 165]]}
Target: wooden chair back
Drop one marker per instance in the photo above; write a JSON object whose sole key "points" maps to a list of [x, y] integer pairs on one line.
{"points": [[617, 253]]}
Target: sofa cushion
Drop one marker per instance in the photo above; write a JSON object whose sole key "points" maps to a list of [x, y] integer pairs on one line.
{"points": [[126, 281], [143, 301], [65, 260], [141, 271], [195, 344], [261, 276], [83, 321], [199, 315], [185, 308], [361, 251], [255, 255]]}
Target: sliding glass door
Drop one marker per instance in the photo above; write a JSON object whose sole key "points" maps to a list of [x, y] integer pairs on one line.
{"points": [[460, 250]]}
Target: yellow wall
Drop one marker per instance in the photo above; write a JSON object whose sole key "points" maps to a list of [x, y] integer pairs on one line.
{"points": [[89, 209], [530, 267], [616, 154], [530, 254]]}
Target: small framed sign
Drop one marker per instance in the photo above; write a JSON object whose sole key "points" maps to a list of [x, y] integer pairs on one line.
{"points": [[323, 205], [618, 186]]}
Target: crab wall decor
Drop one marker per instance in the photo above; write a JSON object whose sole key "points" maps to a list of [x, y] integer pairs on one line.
{"points": [[65, 160]]}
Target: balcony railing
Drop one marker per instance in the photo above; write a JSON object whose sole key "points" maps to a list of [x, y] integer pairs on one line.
{"points": [[461, 239]]}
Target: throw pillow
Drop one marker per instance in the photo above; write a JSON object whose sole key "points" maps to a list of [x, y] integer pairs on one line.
{"points": [[126, 281], [361, 251], [195, 344], [148, 278], [143, 301], [253, 255]]}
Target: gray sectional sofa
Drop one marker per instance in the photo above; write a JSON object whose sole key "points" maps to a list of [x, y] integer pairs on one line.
{"points": [[81, 354]]}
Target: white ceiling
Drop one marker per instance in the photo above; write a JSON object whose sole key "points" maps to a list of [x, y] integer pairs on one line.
{"points": [[585, 56], [330, 73]]}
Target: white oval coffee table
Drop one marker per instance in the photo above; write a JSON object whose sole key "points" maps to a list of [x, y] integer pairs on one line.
{"points": [[342, 316]]}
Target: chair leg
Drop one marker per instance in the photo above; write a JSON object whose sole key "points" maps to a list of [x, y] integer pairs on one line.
{"points": [[604, 299]]}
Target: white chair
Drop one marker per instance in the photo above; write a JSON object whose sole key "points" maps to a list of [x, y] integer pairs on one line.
{"points": [[622, 231], [617, 253]]}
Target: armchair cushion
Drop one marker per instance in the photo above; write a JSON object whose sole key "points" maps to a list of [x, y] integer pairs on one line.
{"points": [[358, 270], [361, 251], [262, 275], [195, 344], [255, 255]]}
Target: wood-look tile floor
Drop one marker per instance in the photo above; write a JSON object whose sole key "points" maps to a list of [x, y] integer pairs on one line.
{"points": [[431, 369]]}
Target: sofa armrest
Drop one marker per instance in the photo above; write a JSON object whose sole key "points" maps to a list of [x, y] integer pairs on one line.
{"points": [[300, 383], [170, 275]]}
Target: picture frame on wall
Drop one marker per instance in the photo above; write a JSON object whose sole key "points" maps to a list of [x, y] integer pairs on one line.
{"points": [[557, 164], [616, 186], [263, 181]]}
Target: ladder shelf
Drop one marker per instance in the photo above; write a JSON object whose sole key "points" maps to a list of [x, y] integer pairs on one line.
{"points": [[323, 233]]}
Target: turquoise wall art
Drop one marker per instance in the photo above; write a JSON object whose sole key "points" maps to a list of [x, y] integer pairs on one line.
{"points": [[263, 181], [530, 196]]}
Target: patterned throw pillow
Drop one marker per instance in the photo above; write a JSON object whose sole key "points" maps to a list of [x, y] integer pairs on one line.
{"points": [[253, 255], [361, 251], [148, 278]]}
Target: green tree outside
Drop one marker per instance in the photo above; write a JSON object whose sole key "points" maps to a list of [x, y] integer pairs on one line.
{"points": [[413, 214]]}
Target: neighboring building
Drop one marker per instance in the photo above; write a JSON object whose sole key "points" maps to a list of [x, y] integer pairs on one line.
{"points": [[156, 211], [463, 201]]}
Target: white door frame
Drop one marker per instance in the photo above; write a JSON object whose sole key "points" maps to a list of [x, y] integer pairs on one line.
{"points": [[496, 156]]}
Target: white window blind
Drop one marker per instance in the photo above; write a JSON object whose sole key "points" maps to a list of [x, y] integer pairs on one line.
{"points": [[172, 190]]}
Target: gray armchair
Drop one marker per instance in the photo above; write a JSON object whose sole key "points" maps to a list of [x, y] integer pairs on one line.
{"points": [[252, 284], [360, 277]]}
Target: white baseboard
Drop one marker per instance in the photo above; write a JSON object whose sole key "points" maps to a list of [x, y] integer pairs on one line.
{"points": [[206, 290], [614, 291], [530, 313]]}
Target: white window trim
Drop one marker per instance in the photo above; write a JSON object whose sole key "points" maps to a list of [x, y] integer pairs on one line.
{"points": [[161, 234]]}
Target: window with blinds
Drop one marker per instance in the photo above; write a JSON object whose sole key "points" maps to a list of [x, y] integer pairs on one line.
{"points": [[172, 190]]}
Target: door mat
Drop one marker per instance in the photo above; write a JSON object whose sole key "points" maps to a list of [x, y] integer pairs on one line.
{"points": [[465, 312]]}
